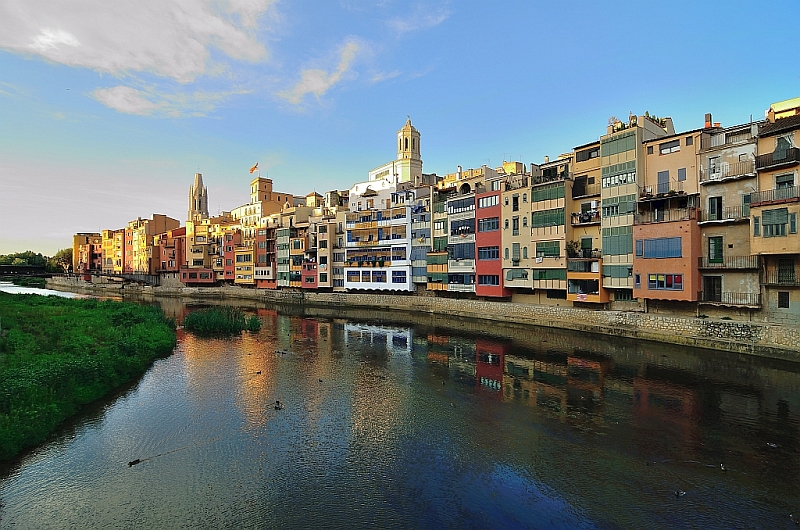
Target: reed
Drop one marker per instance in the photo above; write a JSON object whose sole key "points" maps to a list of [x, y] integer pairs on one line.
{"points": [[215, 321]]}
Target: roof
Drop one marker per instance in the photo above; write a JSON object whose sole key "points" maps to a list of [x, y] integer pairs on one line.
{"points": [[682, 133], [781, 125], [584, 146], [785, 105]]}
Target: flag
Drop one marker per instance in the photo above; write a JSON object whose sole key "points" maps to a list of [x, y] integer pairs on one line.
{"points": [[252, 169]]}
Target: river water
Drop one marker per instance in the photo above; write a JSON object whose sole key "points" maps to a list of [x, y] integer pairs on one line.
{"points": [[421, 422]]}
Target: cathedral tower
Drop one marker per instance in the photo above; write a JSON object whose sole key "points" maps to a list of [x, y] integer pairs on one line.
{"points": [[198, 200]]}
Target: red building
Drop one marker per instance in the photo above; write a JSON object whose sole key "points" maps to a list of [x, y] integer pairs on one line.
{"points": [[169, 253], [229, 243], [489, 242], [201, 276], [309, 275], [489, 364]]}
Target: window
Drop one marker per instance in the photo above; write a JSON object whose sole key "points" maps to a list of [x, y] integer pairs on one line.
{"points": [[689, 140], [505, 253], [547, 218], [587, 154], [618, 143], [617, 240], [398, 276], [515, 226], [663, 247], [524, 197], [637, 280], [310, 279], [756, 226], [488, 280], [379, 276], [774, 222], [505, 201], [489, 224], [714, 208], [783, 299], [323, 277], [485, 253], [669, 147], [439, 225], [649, 149], [515, 203], [197, 263], [792, 223], [365, 276], [505, 225], [715, 249], [353, 276], [548, 192], [681, 174], [782, 144], [665, 282], [524, 221], [663, 181], [619, 174], [549, 274], [486, 202], [622, 205], [784, 181], [548, 249], [524, 252]]}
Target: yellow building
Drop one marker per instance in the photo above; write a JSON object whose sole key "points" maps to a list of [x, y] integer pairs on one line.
{"points": [[774, 210]]}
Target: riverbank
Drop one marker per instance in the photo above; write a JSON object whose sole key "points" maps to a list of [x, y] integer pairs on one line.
{"points": [[779, 341], [58, 354]]}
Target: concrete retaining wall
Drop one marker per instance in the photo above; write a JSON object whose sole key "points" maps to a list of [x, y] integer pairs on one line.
{"points": [[770, 340]]}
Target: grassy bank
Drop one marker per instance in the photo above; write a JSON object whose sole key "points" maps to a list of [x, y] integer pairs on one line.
{"points": [[57, 354], [26, 281], [220, 321]]}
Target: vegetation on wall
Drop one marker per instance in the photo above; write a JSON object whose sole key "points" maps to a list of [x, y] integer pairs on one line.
{"points": [[57, 354]]}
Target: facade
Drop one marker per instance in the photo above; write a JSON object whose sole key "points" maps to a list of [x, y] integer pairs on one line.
{"points": [[139, 240], [729, 270], [774, 210], [622, 169], [79, 239], [666, 234], [584, 257], [489, 240], [169, 251], [436, 259]]}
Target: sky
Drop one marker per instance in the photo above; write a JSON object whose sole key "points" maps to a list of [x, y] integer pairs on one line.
{"points": [[107, 109]]}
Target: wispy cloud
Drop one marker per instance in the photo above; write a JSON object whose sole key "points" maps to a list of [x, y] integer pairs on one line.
{"points": [[169, 38], [384, 76], [423, 17], [149, 102], [317, 81]]}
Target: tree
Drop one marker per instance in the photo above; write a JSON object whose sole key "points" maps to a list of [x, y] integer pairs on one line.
{"points": [[61, 261]]}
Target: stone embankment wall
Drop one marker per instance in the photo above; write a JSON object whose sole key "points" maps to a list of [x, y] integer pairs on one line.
{"points": [[770, 340]]}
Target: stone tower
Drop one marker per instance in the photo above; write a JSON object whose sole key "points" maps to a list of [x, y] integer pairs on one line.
{"points": [[408, 142], [198, 200]]}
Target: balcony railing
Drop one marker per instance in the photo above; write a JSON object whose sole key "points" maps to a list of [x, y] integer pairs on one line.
{"points": [[666, 216], [729, 213], [583, 265], [732, 299], [586, 253], [585, 190], [585, 218], [726, 170], [729, 262], [775, 195], [720, 140], [786, 278], [672, 188], [778, 158]]}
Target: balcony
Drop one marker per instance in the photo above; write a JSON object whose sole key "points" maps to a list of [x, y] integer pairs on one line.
{"points": [[730, 213], [781, 278], [729, 262], [778, 195], [661, 190], [730, 299], [461, 287], [591, 217], [581, 265], [727, 171], [721, 140], [778, 159], [666, 216], [585, 190]]}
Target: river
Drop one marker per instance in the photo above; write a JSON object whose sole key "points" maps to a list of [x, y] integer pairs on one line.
{"points": [[420, 422]]}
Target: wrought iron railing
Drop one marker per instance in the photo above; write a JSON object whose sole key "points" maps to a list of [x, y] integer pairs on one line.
{"points": [[777, 194], [728, 298], [665, 216], [729, 262], [787, 277], [585, 218], [727, 170], [728, 213], [778, 158]]}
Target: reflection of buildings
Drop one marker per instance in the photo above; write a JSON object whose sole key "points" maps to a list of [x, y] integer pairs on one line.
{"points": [[663, 403], [391, 341], [489, 357]]}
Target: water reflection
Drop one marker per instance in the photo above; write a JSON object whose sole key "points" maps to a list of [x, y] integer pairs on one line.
{"points": [[420, 425]]}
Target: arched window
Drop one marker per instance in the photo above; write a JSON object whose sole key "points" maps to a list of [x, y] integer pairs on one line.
{"points": [[406, 143], [524, 252], [505, 253], [413, 144], [524, 197]]}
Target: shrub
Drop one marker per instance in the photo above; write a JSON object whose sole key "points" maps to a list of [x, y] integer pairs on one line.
{"points": [[219, 321]]}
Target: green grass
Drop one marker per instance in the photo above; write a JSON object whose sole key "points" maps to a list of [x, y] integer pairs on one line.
{"points": [[220, 321], [57, 354], [29, 282]]}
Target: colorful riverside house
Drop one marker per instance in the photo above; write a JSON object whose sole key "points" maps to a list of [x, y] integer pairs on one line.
{"points": [[265, 269], [774, 210], [421, 238], [729, 270], [621, 168], [462, 187], [436, 259], [83, 238], [666, 234], [584, 257], [548, 230], [169, 253], [489, 239], [139, 238], [244, 265]]}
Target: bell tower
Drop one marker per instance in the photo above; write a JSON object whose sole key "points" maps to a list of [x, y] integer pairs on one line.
{"points": [[408, 142], [198, 200]]}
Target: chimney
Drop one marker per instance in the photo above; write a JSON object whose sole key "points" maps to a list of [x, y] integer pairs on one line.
{"points": [[708, 121], [546, 159]]}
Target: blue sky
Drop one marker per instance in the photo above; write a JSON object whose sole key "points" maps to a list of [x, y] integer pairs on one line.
{"points": [[108, 108]]}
